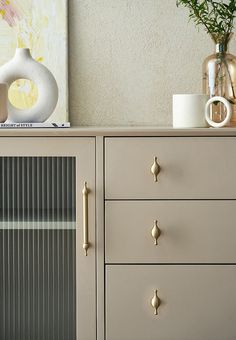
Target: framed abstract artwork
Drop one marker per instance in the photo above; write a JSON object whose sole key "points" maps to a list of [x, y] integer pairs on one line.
{"points": [[41, 26]]}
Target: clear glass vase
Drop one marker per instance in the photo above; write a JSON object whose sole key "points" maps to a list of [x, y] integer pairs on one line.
{"points": [[219, 77]]}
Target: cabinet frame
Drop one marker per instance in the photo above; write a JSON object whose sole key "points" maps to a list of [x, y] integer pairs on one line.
{"points": [[87, 144]]}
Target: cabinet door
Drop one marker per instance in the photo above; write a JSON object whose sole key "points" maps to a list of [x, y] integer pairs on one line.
{"points": [[196, 302], [47, 284]]}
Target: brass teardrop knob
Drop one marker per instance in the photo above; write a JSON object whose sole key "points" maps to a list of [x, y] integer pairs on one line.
{"points": [[156, 232], [155, 302], [155, 169]]}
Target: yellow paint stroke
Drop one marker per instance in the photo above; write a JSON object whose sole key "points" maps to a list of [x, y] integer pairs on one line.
{"points": [[20, 42], [39, 59], [23, 94]]}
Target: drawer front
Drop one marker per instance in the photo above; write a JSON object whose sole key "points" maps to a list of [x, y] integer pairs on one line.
{"points": [[190, 231], [197, 302], [190, 167]]}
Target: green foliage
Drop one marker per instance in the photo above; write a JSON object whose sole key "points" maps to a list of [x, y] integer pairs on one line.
{"points": [[217, 17]]}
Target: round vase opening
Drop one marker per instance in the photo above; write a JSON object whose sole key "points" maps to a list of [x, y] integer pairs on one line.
{"points": [[23, 94]]}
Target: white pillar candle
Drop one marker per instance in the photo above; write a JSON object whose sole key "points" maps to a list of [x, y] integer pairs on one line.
{"points": [[189, 110]]}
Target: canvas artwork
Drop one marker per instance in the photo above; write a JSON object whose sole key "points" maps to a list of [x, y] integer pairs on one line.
{"points": [[40, 25]]}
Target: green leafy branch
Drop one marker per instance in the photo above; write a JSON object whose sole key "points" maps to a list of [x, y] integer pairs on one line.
{"points": [[217, 17]]}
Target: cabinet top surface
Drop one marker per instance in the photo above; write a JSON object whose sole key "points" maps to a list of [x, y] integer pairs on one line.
{"points": [[117, 131]]}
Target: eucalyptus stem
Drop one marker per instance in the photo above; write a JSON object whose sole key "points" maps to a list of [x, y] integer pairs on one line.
{"points": [[217, 17]]}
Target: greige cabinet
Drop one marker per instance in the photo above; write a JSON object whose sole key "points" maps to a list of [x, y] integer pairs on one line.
{"points": [[153, 210]]}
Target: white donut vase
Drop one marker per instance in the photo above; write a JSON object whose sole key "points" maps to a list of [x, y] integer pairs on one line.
{"points": [[23, 66], [228, 113]]}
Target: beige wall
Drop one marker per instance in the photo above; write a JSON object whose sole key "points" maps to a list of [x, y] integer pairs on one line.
{"points": [[127, 58]]}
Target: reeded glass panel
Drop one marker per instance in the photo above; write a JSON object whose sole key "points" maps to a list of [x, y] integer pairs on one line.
{"points": [[37, 248]]}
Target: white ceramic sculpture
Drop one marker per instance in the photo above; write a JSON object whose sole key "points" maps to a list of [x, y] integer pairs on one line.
{"points": [[23, 66], [228, 107]]}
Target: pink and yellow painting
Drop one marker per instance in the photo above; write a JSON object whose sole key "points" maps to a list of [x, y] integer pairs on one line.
{"points": [[40, 25]]}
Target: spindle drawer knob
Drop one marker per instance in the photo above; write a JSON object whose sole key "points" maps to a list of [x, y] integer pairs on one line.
{"points": [[155, 302], [155, 169], [156, 232]]}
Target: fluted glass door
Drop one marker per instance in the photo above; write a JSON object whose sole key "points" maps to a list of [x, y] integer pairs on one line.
{"points": [[37, 248], [47, 284]]}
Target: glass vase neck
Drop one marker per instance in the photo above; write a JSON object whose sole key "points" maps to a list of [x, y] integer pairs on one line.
{"points": [[221, 42], [221, 48]]}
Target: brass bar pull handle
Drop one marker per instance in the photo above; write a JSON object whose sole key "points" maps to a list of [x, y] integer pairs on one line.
{"points": [[85, 218], [155, 302], [155, 169], [156, 232]]}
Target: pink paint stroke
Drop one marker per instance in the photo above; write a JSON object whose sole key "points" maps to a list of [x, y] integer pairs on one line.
{"points": [[11, 12]]}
